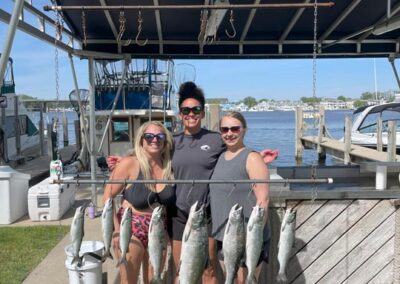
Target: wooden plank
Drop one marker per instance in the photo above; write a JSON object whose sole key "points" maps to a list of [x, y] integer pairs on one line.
{"points": [[384, 276], [306, 209], [375, 263], [338, 194], [318, 220], [332, 145], [329, 233], [352, 249]]}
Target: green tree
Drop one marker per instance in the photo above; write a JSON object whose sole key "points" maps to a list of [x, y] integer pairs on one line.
{"points": [[360, 103], [341, 98], [310, 100], [249, 101]]}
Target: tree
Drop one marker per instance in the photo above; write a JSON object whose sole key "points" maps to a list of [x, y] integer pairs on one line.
{"points": [[310, 100], [360, 103], [341, 98], [250, 101]]}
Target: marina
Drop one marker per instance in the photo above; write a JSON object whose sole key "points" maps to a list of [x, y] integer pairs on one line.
{"points": [[347, 209]]}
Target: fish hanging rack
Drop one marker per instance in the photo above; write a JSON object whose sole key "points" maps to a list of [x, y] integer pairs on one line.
{"points": [[194, 181]]}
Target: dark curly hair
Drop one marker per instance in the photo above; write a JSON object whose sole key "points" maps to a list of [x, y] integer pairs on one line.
{"points": [[189, 90]]}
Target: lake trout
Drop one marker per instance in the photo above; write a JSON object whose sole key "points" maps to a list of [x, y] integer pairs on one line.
{"points": [[125, 235], [157, 242], [286, 243], [254, 241], [234, 242], [107, 227], [194, 252], [77, 233]]}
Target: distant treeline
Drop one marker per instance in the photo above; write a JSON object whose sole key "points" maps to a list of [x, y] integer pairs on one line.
{"points": [[34, 103]]}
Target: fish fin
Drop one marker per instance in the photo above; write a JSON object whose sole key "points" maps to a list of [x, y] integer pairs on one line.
{"points": [[151, 227], [78, 260], [227, 227], [122, 261], [283, 227], [281, 278], [186, 235], [105, 255], [155, 280], [251, 279]]}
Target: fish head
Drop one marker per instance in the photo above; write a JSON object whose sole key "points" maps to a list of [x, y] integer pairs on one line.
{"points": [[290, 215], [158, 214], [236, 213], [197, 215]]}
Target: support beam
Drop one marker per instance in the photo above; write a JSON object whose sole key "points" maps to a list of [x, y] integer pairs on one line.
{"points": [[292, 22]]}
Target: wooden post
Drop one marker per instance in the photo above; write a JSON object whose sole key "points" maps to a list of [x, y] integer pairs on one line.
{"points": [[65, 129], [211, 120], [379, 128], [299, 133], [17, 127], [41, 130], [78, 134], [50, 145], [347, 140], [321, 133], [396, 256], [391, 147]]}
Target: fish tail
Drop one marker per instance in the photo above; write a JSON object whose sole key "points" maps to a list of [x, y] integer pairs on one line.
{"points": [[106, 254], [78, 260], [155, 280], [229, 280], [281, 278], [251, 279], [122, 261]]}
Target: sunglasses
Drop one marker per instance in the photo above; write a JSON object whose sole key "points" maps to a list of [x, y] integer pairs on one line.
{"points": [[233, 129], [149, 137], [187, 110]]}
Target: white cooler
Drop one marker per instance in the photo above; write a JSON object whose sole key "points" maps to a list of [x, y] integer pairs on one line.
{"points": [[49, 202], [13, 194]]}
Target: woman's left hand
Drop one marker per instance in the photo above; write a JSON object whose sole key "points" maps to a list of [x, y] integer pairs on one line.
{"points": [[269, 155]]}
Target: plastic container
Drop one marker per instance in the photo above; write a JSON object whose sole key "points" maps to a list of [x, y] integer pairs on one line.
{"points": [[91, 270], [14, 194], [49, 202], [56, 169]]}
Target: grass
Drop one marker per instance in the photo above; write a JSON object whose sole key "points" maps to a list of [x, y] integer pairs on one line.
{"points": [[23, 248]]}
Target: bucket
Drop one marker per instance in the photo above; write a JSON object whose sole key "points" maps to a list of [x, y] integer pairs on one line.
{"points": [[91, 270]]}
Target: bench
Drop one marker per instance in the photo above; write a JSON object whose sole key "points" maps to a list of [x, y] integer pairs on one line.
{"points": [[381, 169]]}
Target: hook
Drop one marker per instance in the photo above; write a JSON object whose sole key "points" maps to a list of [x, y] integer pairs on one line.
{"points": [[231, 20], [140, 21]]}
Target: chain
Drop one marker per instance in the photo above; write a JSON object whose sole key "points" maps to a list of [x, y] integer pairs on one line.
{"points": [[83, 18], [314, 63]]}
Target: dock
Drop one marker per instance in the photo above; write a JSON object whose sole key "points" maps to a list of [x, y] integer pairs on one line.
{"points": [[337, 149]]}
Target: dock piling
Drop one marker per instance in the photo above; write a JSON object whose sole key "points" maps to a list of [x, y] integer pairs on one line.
{"points": [[299, 133], [347, 140]]}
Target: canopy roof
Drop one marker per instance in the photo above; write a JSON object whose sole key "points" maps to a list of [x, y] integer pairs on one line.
{"points": [[343, 30]]}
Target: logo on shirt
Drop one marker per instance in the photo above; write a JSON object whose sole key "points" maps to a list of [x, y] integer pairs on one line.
{"points": [[205, 147]]}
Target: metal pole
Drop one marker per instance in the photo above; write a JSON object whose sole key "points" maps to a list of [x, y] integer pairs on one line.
{"points": [[17, 127], [92, 125], [391, 60], [65, 129], [19, 4], [188, 7]]}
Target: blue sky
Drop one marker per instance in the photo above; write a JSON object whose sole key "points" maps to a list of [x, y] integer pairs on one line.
{"points": [[34, 71]]}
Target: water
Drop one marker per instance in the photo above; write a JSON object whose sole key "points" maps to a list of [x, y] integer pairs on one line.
{"points": [[276, 130]]}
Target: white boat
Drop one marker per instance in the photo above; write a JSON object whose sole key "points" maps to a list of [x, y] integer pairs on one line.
{"points": [[365, 122], [27, 144]]}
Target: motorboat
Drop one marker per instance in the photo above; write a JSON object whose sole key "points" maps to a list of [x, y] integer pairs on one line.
{"points": [[365, 124]]}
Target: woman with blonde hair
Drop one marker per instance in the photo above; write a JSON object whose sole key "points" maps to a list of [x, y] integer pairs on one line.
{"points": [[151, 159]]}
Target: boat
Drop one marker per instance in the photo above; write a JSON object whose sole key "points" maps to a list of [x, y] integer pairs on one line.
{"points": [[365, 124], [14, 147]]}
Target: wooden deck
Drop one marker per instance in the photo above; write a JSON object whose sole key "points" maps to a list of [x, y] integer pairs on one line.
{"points": [[338, 241], [337, 149]]}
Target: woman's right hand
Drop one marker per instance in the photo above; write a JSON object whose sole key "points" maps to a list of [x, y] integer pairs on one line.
{"points": [[112, 161]]}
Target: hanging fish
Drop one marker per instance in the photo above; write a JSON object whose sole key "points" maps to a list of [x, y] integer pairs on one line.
{"points": [[157, 242], [194, 252], [77, 233], [286, 243], [254, 242], [107, 227], [125, 235], [234, 242]]}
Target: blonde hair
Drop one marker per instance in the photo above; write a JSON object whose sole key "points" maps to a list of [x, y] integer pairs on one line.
{"points": [[165, 153]]}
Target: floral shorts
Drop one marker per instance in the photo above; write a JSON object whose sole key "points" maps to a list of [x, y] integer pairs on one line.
{"points": [[140, 225]]}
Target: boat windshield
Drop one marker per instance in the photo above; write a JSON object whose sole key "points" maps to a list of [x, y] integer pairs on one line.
{"points": [[369, 125]]}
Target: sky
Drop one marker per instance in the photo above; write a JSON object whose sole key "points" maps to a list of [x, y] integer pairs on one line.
{"points": [[284, 79]]}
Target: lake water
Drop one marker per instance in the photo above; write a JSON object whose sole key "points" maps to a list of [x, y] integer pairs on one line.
{"points": [[274, 130]]}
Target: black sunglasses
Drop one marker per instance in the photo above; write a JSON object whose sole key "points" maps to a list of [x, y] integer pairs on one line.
{"points": [[149, 137], [233, 129], [195, 110]]}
